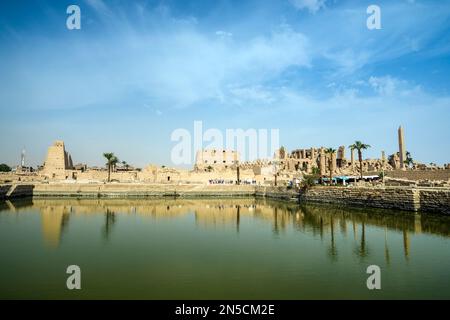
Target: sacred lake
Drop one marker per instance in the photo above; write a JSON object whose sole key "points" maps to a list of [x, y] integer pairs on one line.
{"points": [[234, 248]]}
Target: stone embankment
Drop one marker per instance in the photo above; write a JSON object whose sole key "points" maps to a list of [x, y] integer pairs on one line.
{"points": [[401, 198], [120, 190], [9, 191]]}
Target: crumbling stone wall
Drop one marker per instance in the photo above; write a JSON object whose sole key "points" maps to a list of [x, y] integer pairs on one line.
{"points": [[389, 198], [420, 174], [435, 200], [401, 198]]}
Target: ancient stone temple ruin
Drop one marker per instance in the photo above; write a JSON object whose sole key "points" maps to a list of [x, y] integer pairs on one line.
{"points": [[225, 166], [57, 162], [215, 158], [319, 161]]}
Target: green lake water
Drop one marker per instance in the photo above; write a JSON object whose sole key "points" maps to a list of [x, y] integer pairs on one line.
{"points": [[218, 249]]}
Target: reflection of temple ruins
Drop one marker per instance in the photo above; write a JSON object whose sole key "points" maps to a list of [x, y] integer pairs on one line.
{"points": [[54, 218], [232, 214]]}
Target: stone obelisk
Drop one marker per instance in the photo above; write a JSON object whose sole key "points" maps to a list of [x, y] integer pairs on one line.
{"points": [[401, 148], [322, 161]]}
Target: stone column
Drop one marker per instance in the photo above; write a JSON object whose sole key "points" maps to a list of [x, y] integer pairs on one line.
{"points": [[401, 148], [352, 157], [308, 167], [333, 162], [340, 156], [322, 161], [302, 154]]}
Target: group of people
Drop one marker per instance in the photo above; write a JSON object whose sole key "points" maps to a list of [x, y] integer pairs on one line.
{"points": [[221, 181], [225, 181]]}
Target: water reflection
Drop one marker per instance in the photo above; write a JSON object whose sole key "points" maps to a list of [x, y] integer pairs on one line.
{"points": [[386, 248], [110, 220], [329, 224], [238, 217], [406, 243], [54, 221], [333, 250], [362, 249]]}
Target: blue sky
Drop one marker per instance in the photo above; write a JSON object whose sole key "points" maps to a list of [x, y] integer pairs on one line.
{"points": [[137, 70]]}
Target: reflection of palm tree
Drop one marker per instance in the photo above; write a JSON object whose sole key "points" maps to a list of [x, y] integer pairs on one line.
{"points": [[406, 243], [275, 222], [110, 217], [333, 249], [321, 228], [363, 237], [362, 250], [386, 248], [343, 225], [238, 218]]}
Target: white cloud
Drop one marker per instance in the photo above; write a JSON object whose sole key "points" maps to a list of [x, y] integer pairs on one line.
{"points": [[347, 61], [390, 86], [100, 7], [383, 85], [175, 63], [312, 5], [177, 68], [248, 96], [224, 34]]}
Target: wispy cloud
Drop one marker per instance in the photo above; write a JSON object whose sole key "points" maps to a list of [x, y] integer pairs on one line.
{"points": [[179, 68], [149, 54], [312, 5], [100, 7], [262, 63]]}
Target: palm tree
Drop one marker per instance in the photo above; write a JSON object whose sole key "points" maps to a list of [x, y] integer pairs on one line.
{"points": [[330, 151], [358, 145], [111, 161], [409, 160], [114, 162], [125, 164]]}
